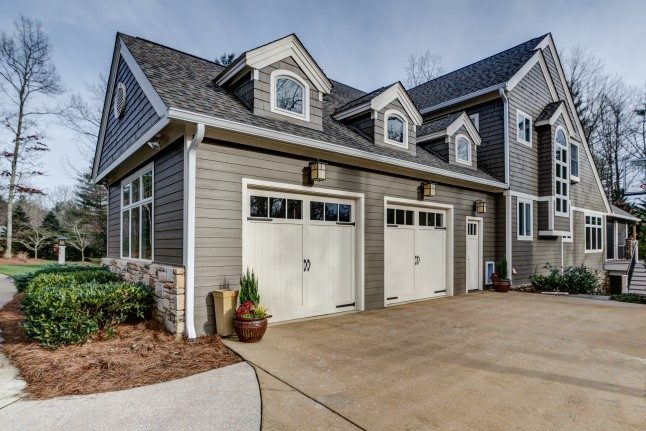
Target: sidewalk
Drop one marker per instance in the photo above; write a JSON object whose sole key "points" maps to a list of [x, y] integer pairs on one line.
{"points": [[11, 386]]}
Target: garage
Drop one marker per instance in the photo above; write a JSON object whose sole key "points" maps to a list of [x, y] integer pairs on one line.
{"points": [[417, 249], [303, 249]]}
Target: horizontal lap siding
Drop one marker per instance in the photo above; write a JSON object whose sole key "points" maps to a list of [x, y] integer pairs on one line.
{"points": [[138, 116], [220, 171], [491, 152]]}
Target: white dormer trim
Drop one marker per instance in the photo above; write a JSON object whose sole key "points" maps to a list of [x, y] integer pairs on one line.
{"points": [[377, 103], [536, 58], [273, 52], [397, 113], [464, 120], [469, 160], [272, 95], [561, 111]]}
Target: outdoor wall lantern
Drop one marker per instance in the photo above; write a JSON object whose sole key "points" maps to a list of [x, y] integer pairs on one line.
{"points": [[317, 171], [428, 189], [480, 207]]}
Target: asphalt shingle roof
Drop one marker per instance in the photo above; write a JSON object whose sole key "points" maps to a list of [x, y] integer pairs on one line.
{"points": [[438, 124], [491, 71], [363, 99], [186, 82], [548, 111]]}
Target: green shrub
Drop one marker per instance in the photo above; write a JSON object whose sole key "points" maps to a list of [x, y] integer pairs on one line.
{"points": [[629, 297], [502, 271], [22, 281], [69, 278], [64, 314], [249, 288], [573, 279]]}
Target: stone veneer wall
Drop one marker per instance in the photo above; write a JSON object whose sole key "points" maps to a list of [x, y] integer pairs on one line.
{"points": [[167, 283]]}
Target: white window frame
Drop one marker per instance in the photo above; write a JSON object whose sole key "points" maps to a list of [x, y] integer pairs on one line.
{"points": [[455, 146], [526, 116], [306, 94], [488, 273], [575, 178], [139, 204], [526, 204], [475, 119], [591, 225], [564, 181], [396, 113]]}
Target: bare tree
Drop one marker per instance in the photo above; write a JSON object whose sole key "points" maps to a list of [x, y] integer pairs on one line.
{"points": [[80, 236], [82, 115], [422, 68], [26, 71], [34, 238]]}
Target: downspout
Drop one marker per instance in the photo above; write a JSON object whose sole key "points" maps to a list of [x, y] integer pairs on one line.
{"points": [[508, 197], [190, 168]]}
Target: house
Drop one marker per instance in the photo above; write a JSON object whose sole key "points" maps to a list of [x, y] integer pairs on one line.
{"points": [[338, 199]]}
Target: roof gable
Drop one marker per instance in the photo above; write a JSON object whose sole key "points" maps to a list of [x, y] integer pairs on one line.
{"points": [[551, 113], [263, 56], [448, 126]]}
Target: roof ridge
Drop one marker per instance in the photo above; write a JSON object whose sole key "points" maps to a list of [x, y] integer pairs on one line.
{"points": [[479, 61], [170, 48]]}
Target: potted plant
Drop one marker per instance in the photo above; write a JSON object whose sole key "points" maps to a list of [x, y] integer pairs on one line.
{"points": [[500, 278], [250, 319]]}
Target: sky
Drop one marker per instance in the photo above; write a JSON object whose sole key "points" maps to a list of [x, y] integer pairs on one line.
{"points": [[365, 44]]}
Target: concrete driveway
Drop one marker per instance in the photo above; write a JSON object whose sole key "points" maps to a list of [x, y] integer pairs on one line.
{"points": [[482, 361]]}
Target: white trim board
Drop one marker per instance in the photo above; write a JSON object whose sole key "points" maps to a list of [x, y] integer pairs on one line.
{"points": [[518, 77], [396, 113], [464, 120]]}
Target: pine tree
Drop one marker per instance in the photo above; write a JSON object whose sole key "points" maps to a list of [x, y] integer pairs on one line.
{"points": [[51, 224]]}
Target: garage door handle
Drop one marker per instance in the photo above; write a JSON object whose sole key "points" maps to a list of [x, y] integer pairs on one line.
{"points": [[306, 263], [308, 266]]}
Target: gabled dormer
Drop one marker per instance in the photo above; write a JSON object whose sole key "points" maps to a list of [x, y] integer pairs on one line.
{"points": [[453, 137], [281, 81], [387, 116]]}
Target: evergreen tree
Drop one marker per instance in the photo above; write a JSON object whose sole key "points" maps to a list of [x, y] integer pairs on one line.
{"points": [[51, 224]]}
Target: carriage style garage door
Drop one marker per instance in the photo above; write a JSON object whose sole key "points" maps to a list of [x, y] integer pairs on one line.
{"points": [[302, 248], [415, 256]]}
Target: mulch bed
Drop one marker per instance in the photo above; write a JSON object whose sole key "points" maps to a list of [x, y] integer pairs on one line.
{"points": [[137, 355]]}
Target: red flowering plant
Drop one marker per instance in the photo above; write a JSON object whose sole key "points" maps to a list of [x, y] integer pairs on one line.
{"points": [[250, 307]]}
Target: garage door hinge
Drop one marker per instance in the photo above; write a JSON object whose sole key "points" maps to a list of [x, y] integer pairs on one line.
{"points": [[260, 219], [391, 298], [440, 291], [392, 225], [345, 305], [346, 223]]}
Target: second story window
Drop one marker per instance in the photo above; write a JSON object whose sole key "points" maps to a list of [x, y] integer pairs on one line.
{"points": [[396, 129], [462, 150], [523, 128], [289, 95], [562, 179], [574, 162]]}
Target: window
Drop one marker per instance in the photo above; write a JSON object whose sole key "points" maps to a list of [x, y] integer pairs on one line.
{"points": [[562, 180], [475, 119], [523, 128], [524, 220], [396, 129], [593, 234], [574, 162], [289, 95], [137, 215], [432, 219], [399, 217], [462, 150], [330, 211], [275, 208]]}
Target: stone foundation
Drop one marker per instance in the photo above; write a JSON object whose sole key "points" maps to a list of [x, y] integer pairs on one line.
{"points": [[167, 283]]}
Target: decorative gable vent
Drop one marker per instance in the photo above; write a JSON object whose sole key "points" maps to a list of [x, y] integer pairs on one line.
{"points": [[119, 103]]}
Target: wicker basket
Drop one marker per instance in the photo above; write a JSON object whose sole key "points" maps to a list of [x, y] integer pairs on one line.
{"points": [[250, 330]]}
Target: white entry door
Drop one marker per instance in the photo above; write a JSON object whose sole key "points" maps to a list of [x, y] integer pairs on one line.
{"points": [[415, 254], [302, 249], [474, 260]]}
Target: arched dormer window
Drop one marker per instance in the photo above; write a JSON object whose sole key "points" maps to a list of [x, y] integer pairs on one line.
{"points": [[396, 129], [290, 95], [562, 178], [462, 150]]}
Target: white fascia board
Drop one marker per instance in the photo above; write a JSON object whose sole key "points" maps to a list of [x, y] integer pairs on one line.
{"points": [[355, 110], [549, 42], [234, 126], [464, 120], [143, 140], [431, 136], [527, 67], [106, 108], [142, 80], [232, 70], [397, 91], [493, 88]]}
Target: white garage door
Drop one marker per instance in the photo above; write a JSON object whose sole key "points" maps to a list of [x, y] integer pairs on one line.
{"points": [[302, 248], [415, 253]]}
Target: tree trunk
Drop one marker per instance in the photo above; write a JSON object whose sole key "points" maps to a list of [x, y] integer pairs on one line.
{"points": [[12, 180], [36, 253], [83, 255]]}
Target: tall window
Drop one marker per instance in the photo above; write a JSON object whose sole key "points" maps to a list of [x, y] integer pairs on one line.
{"points": [[562, 178], [396, 129], [137, 215], [574, 161], [523, 128], [524, 221], [289, 95], [463, 150], [593, 233]]}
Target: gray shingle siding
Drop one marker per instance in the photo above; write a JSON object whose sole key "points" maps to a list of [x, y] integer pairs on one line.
{"points": [[221, 168], [244, 89], [491, 152], [380, 128], [139, 115]]}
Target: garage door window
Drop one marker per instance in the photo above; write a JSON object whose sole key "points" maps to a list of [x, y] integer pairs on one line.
{"points": [[402, 217], [330, 211], [265, 207], [431, 219]]}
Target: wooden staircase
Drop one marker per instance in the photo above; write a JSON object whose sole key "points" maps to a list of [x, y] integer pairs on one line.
{"points": [[638, 280]]}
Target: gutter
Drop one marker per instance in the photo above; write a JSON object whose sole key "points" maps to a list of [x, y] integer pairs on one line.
{"points": [[463, 98], [190, 170], [508, 198]]}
